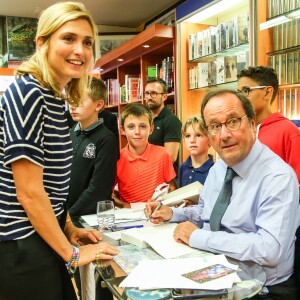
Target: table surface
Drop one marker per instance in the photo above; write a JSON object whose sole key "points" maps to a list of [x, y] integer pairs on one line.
{"points": [[252, 275]]}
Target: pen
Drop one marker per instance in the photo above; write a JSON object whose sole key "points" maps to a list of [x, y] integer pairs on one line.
{"points": [[156, 208], [127, 227]]}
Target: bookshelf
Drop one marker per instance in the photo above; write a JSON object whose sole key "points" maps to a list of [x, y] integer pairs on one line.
{"points": [[208, 18], [152, 47], [281, 22]]}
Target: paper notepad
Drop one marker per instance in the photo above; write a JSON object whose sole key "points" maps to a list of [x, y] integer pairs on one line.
{"points": [[190, 191]]}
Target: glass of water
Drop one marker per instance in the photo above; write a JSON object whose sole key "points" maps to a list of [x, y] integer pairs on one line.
{"points": [[105, 214]]}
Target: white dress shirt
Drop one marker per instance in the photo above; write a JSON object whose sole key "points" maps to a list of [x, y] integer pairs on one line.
{"points": [[261, 219]]}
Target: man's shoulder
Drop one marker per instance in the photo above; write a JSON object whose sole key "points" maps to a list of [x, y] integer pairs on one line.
{"points": [[167, 116]]}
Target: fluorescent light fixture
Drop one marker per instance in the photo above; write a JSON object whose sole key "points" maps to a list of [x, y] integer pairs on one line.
{"points": [[280, 20], [212, 10], [274, 22], [294, 14]]}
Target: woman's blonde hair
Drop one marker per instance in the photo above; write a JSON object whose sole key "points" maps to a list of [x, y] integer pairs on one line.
{"points": [[49, 22]]}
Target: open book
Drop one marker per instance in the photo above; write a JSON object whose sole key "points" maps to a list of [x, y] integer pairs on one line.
{"points": [[190, 191], [160, 238]]}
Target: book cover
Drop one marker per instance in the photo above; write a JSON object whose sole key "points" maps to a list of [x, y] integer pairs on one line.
{"points": [[205, 42], [222, 36], [275, 38], [220, 70], [218, 38], [240, 61], [282, 68], [212, 73], [202, 74], [191, 46], [190, 191], [199, 44], [282, 101], [241, 25], [229, 34], [296, 67], [130, 256], [277, 66], [280, 36], [151, 71], [133, 84], [212, 39], [290, 67], [230, 68], [271, 62]]}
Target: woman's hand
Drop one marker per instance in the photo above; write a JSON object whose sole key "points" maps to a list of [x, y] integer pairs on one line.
{"points": [[99, 251], [81, 236]]}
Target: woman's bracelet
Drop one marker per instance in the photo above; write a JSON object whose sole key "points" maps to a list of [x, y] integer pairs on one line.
{"points": [[72, 264]]}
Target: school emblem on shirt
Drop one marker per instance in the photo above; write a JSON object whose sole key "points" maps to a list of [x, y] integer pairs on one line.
{"points": [[89, 151]]}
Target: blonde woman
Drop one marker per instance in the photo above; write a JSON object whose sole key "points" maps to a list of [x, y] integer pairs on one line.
{"points": [[38, 242]]}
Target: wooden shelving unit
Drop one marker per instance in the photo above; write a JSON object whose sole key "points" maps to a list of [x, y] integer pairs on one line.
{"points": [[147, 48]]}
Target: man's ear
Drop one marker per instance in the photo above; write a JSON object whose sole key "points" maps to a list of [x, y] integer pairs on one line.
{"points": [[100, 105], [164, 97], [269, 92]]}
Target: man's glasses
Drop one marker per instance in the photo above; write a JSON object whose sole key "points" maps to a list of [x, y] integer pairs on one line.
{"points": [[152, 94], [231, 124], [246, 90]]}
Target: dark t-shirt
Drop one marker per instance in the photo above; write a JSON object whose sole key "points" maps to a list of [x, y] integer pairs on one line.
{"points": [[167, 128]]}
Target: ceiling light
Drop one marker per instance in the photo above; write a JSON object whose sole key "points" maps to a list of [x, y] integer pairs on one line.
{"points": [[280, 19], [212, 10]]}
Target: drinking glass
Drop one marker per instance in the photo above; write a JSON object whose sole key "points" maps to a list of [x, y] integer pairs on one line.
{"points": [[105, 214]]}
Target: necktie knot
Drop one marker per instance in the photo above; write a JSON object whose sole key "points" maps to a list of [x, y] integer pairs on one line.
{"points": [[230, 174]]}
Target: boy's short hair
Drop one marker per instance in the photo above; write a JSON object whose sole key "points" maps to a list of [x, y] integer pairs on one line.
{"points": [[97, 90], [263, 76], [194, 120], [160, 81], [137, 110]]}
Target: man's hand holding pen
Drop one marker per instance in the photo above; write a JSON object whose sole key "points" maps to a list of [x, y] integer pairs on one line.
{"points": [[158, 213]]}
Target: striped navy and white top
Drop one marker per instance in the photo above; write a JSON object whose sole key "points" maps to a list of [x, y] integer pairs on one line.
{"points": [[32, 126]]}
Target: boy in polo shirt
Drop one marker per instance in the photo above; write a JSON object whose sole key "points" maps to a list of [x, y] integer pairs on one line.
{"points": [[142, 166], [199, 162]]}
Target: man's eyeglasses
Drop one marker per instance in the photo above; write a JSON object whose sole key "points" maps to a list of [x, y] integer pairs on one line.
{"points": [[152, 94], [246, 90], [231, 124]]}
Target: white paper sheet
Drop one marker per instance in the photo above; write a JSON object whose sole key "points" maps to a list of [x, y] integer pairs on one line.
{"points": [[154, 274], [121, 215]]}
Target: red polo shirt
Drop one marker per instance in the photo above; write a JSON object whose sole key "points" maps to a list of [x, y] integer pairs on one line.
{"points": [[137, 178]]}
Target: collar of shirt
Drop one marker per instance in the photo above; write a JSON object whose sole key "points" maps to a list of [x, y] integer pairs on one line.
{"points": [[164, 112], [78, 130], [204, 167], [131, 157], [246, 164]]}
